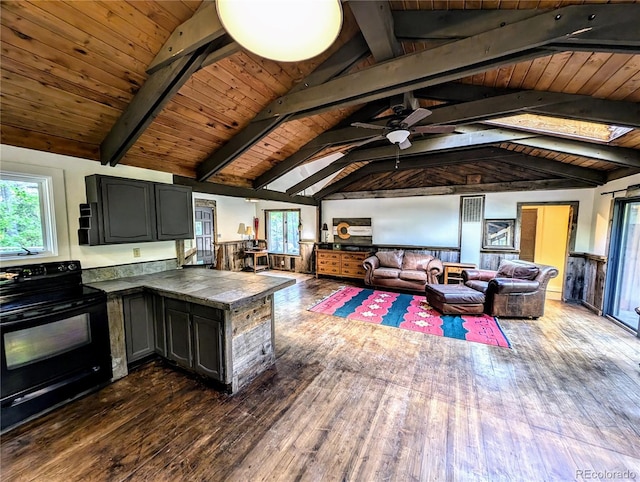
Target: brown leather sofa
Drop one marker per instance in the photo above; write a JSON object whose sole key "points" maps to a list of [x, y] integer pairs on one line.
{"points": [[516, 290], [401, 269]]}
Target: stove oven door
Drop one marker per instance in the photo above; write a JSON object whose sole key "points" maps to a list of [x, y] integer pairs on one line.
{"points": [[51, 355]]}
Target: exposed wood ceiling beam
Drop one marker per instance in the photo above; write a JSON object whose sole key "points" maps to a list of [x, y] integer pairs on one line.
{"points": [[621, 172], [376, 24], [243, 192], [543, 185], [473, 136], [202, 28], [154, 94], [498, 106], [458, 24], [617, 155], [555, 168], [463, 57], [613, 112], [453, 24], [482, 109], [335, 65], [568, 106], [444, 143], [227, 48], [313, 147]]}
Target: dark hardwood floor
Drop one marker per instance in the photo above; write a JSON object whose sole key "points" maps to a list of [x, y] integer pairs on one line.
{"points": [[359, 402]]}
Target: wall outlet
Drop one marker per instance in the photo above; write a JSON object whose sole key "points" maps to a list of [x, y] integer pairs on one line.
{"points": [[136, 252]]}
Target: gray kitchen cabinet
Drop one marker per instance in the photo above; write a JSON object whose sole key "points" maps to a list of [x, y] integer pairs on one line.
{"points": [[125, 209], [160, 332], [120, 210], [207, 336], [195, 337], [174, 212], [178, 328], [138, 326]]}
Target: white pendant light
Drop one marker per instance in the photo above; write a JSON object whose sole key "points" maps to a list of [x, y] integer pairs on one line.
{"points": [[283, 30], [398, 136]]}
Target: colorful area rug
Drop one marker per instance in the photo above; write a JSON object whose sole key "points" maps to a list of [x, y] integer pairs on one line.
{"points": [[411, 313]]}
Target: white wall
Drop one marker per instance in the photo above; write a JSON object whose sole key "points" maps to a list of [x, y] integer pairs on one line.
{"points": [[433, 221], [602, 211], [73, 170], [418, 221]]}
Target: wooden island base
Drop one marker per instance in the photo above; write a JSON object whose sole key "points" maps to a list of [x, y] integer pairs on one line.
{"points": [[217, 324]]}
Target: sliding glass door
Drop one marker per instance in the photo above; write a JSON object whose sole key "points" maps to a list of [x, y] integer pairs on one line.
{"points": [[624, 263]]}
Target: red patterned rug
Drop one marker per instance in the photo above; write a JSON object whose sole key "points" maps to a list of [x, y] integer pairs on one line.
{"points": [[411, 313]]}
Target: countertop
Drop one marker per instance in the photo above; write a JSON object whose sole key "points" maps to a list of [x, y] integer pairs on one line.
{"points": [[226, 290]]}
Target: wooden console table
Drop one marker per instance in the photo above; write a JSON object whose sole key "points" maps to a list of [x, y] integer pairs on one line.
{"points": [[345, 264], [258, 254], [452, 273]]}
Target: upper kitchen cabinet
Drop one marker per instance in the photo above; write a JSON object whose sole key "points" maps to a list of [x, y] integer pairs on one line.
{"points": [[174, 208], [122, 210]]}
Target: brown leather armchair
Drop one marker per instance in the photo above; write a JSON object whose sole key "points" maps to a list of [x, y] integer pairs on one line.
{"points": [[516, 290]]}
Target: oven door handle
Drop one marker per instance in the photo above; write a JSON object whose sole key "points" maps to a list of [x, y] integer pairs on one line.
{"points": [[55, 310]]}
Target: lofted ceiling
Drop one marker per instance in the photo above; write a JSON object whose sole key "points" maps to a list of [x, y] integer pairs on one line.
{"points": [[160, 85]]}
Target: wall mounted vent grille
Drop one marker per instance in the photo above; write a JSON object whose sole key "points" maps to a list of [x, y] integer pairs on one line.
{"points": [[472, 209]]}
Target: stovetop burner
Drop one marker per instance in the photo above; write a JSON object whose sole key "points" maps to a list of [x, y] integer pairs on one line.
{"points": [[42, 286]]}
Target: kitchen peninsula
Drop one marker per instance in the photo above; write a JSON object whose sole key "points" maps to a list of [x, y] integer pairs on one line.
{"points": [[219, 324]]}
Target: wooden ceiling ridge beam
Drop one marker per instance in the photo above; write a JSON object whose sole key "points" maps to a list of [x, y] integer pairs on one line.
{"points": [[243, 192], [343, 59], [148, 102], [376, 24], [444, 143], [314, 146], [460, 58], [539, 185]]}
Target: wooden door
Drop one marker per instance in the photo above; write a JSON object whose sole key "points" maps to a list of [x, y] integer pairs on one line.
{"points": [[204, 234], [529, 221]]}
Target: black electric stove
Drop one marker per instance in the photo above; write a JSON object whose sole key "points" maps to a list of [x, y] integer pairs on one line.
{"points": [[54, 339]]}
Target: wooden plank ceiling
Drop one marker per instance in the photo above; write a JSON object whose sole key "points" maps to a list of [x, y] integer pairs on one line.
{"points": [[72, 73]]}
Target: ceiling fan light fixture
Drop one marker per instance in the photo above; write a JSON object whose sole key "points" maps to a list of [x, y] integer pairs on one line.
{"points": [[398, 136], [282, 30]]}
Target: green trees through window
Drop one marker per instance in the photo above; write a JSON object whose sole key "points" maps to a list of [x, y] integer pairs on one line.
{"points": [[283, 231], [21, 223]]}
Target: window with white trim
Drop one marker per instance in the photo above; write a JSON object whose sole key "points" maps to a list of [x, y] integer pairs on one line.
{"points": [[283, 231], [27, 222]]}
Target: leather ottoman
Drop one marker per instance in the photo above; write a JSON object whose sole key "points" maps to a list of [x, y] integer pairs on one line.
{"points": [[455, 299]]}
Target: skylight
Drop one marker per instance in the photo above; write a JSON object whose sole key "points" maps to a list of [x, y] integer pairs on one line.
{"points": [[574, 129]]}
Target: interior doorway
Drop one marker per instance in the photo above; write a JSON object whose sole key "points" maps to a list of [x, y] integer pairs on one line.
{"points": [[204, 235], [545, 235], [201, 250]]}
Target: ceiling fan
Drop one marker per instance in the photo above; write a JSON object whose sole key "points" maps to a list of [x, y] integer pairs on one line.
{"points": [[398, 129]]}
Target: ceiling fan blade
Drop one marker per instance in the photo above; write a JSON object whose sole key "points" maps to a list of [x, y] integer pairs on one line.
{"points": [[367, 126], [433, 129], [405, 144], [416, 116]]}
